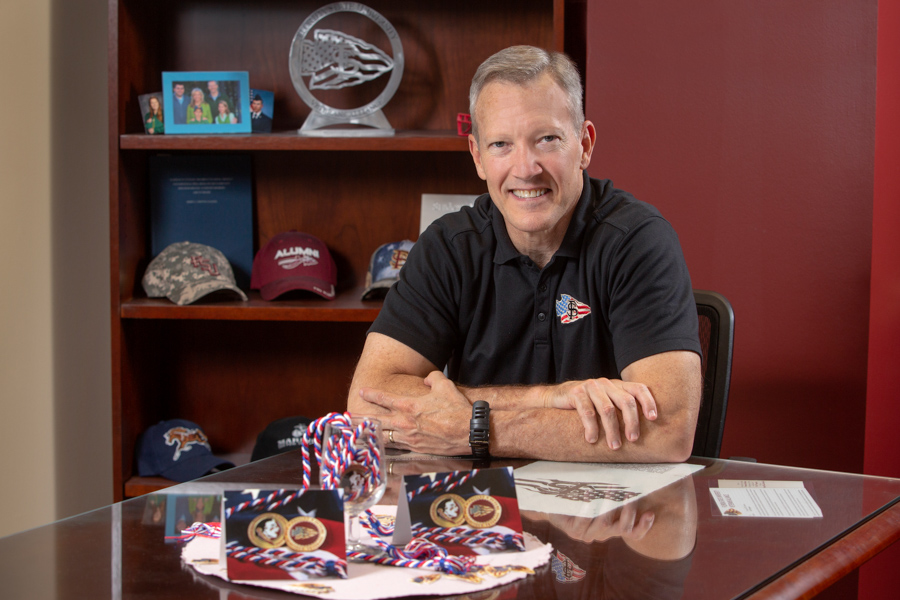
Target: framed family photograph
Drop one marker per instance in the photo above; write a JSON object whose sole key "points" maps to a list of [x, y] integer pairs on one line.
{"points": [[206, 102]]}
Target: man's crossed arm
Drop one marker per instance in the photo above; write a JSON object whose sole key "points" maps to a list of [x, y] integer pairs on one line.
{"points": [[650, 416]]}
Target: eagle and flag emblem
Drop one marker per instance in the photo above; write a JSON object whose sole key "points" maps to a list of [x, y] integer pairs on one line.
{"points": [[569, 310], [565, 569]]}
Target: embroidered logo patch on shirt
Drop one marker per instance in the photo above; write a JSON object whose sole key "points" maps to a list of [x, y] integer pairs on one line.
{"points": [[569, 310]]}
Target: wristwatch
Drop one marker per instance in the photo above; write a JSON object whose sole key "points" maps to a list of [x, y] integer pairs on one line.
{"points": [[480, 429]]}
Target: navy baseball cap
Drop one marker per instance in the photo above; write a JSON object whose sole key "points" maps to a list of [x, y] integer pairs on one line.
{"points": [[178, 450]]}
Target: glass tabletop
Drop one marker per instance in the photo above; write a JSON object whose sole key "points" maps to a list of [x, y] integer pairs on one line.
{"points": [[671, 543]]}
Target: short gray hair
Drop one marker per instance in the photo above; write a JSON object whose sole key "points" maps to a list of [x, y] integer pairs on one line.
{"points": [[523, 64]]}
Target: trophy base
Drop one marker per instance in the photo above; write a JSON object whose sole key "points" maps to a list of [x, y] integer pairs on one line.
{"points": [[347, 132], [374, 124]]}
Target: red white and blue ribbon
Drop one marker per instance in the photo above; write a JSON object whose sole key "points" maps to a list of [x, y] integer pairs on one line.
{"points": [[473, 538], [420, 553], [287, 560], [448, 482], [207, 530]]}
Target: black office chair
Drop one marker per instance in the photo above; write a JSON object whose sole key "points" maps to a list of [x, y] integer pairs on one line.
{"points": [[717, 341]]}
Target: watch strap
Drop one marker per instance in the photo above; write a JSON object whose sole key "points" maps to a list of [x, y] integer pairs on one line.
{"points": [[480, 429]]}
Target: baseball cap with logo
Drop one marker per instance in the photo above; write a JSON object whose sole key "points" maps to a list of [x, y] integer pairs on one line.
{"points": [[184, 272], [293, 261], [280, 436], [384, 268], [177, 449]]}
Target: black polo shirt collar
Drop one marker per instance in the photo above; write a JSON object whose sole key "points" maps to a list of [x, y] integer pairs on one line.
{"points": [[571, 244]]}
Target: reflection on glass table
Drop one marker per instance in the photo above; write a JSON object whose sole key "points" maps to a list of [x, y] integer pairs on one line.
{"points": [[674, 541]]}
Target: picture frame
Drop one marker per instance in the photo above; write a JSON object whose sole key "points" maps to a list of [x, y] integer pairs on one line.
{"points": [[262, 124], [205, 91], [153, 117]]}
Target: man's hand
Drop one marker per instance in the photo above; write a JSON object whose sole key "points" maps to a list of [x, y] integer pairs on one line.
{"points": [[608, 398], [436, 423], [628, 523], [428, 413]]}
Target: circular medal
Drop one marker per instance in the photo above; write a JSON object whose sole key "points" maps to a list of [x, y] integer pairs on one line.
{"points": [[268, 530], [305, 534], [482, 511], [448, 510]]}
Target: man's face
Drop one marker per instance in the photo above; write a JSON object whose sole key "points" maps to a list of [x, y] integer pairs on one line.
{"points": [[531, 157], [256, 105], [213, 87], [179, 90]]}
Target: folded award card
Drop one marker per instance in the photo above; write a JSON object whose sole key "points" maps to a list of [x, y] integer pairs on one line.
{"points": [[466, 512], [283, 534]]}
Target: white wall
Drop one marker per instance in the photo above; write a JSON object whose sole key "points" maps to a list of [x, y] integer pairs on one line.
{"points": [[55, 457], [26, 354]]}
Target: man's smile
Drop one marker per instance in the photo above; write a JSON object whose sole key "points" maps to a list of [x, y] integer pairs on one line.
{"points": [[530, 193]]}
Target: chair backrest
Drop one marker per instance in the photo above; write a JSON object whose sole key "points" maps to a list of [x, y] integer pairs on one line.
{"points": [[717, 341]]}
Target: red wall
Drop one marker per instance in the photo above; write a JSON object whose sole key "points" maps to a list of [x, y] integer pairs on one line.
{"points": [[880, 578], [751, 126], [883, 417]]}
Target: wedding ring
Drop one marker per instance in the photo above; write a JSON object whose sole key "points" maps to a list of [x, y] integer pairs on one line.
{"points": [[391, 435]]}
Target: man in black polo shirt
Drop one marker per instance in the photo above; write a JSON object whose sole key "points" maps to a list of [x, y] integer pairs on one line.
{"points": [[561, 301]]}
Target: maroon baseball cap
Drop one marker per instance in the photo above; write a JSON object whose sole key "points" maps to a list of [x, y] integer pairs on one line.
{"points": [[293, 261]]}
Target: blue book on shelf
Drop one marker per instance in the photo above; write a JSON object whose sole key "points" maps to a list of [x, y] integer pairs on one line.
{"points": [[205, 199]]}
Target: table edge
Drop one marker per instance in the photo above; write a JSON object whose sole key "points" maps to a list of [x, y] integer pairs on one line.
{"points": [[837, 559]]}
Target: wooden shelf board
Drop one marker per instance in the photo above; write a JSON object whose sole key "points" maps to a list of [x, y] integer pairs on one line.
{"points": [[405, 141], [138, 486], [347, 307]]}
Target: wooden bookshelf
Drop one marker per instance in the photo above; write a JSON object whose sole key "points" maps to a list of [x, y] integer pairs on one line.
{"points": [[233, 367]]}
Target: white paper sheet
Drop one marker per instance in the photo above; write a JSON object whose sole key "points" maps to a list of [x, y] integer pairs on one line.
{"points": [[588, 489], [785, 502]]}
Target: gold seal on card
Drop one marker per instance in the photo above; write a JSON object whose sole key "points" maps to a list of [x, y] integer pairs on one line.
{"points": [[448, 510], [268, 530], [482, 511], [305, 534]]}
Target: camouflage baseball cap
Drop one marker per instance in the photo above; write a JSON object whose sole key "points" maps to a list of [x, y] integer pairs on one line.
{"points": [[185, 272]]}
